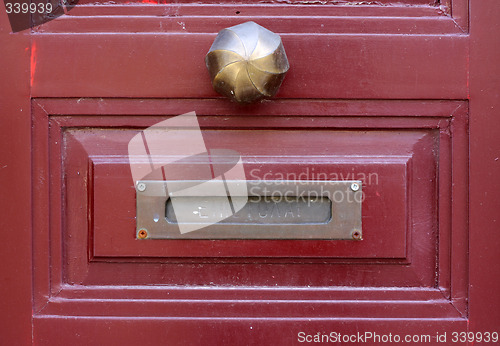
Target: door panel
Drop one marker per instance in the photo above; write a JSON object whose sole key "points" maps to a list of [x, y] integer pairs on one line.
{"points": [[414, 157], [373, 88], [101, 156], [381, 66], [416, 148], [388, 52]]}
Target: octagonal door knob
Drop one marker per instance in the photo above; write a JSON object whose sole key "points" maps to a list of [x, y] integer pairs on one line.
{"points": [[247, 62]]}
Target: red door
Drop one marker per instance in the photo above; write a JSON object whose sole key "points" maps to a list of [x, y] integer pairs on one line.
{"points": [[400, 96]]}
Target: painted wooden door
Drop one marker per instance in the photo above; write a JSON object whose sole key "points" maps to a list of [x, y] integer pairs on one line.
{"points": [[402, 96]]}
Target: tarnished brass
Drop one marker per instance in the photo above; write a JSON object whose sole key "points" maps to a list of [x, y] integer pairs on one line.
{"points": [[271, 210], [247, 62]]}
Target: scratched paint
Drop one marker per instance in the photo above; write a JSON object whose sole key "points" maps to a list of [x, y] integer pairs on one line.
{"points": [[33, 63]]}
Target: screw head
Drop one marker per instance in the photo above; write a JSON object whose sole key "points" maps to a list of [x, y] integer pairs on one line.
{"points": [[356, 235], [354, 187], [142, 234], [141, 187]]}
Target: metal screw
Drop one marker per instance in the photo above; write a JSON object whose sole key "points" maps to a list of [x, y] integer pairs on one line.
{"points": [[141, 187], [356, 235], [354, 187], [142, 234]]}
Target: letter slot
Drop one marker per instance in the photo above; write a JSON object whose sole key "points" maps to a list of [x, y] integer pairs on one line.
{"points": [[259, 210]]}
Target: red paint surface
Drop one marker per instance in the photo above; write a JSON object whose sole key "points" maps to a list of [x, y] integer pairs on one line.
{"points": [[15, 184], [484, 245], [33, 63], [343, 76]]}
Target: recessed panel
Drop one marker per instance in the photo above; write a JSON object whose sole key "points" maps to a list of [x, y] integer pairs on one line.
{"points": [[383, 160]]}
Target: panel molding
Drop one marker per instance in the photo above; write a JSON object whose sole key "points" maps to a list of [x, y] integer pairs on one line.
{"points": [[335, 52], [55, 297]]}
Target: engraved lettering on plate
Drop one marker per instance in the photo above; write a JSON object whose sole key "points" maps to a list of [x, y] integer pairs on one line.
{"points": [[259, 210], [303, 210]]}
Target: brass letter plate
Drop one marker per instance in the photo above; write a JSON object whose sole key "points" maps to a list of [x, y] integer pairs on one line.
{"points": [[224, 209]]}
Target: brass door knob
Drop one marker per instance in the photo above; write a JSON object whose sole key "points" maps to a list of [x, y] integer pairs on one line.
{"points": [[247, 62]]}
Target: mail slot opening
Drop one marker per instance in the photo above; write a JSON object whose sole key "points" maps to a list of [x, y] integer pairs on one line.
{"points": [[258, 210], [249, 209]]}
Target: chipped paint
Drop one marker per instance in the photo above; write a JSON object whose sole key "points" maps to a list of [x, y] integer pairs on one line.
{"points": [[33, 63]]}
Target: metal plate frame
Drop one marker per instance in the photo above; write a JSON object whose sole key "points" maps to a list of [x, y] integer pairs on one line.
{"points": [[345, 222]]}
